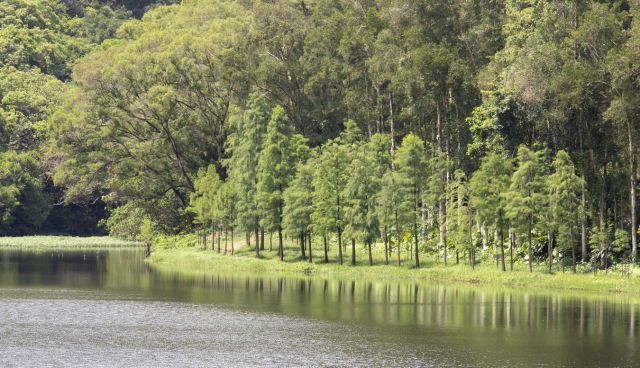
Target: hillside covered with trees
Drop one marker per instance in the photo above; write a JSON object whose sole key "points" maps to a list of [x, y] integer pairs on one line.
{"points": [[435, 127]]}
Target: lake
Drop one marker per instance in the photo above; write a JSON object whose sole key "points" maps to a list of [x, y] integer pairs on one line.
{"points": [[110, 308]]}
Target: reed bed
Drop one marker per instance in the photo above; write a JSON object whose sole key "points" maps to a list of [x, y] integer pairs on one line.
{"points": [[66, 242]]}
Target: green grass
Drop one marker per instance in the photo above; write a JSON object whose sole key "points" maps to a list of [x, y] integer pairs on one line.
{"points": [[183, 251], [65, 242]]}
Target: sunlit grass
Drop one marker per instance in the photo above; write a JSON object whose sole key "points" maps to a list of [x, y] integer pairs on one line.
{"points": [[65, 242], [184, 250]]}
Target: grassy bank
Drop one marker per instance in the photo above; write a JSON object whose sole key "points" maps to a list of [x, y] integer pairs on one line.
{"points": [[65, 242], [186, 252]]}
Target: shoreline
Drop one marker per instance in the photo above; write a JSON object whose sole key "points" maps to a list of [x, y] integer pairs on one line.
{"points": [[197, 259]]}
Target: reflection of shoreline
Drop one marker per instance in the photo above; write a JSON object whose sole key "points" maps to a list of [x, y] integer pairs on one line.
{"points": [[413, 302], [196, 259]]}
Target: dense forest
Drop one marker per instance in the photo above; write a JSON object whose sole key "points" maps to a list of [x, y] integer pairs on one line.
{"points": [[435, 127]]}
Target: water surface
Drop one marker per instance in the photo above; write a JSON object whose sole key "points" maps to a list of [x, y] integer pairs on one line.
{"points": [[109, 308]]}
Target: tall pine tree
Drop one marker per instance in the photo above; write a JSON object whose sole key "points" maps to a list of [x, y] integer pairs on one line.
{"points": [[276, 169]]}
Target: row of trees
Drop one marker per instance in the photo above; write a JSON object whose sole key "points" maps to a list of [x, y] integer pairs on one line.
{"points": [[367, 191]]}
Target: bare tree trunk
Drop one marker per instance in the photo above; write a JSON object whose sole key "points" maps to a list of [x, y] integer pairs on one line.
{"points": [[370, 257], [442, 204], [213, 231], [257, 238], [353, 252], [573, 244], [326, 250], [550, 246], [530, 242], [270, 241], [632, 192], [302, 246], [393, 144], [262, 238], [398, 236], [472, 248], [485, 236], [339, 246], [219, 236], [415, 230], [280, 247], [386, 246], [511, 245], [310, 253], [504, 268], [583, 222], [603, 211]]}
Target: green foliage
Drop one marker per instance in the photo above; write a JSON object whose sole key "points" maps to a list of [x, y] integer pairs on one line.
{"points": [[125, 221], [330, 180], [38, 34], [23, 204], [246, 146], [276, 169], [564, 188], [205, 200], [360, 195], [299, 201], [99, 24], [147, 230], [489, 187]]}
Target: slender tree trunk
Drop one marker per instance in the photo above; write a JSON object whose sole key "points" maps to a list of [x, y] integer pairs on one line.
{"points": [[391, 123], [550, 247], [398, 236], [442, 204], [226, 239], [583, 222], [262, 238], [303, 246], [353, 252], [280, 247], [326, 250], [511, 245], [485, 236], [573, 244], [504, 268], [232, 246], [270, 241], [603, 211], [386, 246], [370, 257], [472, 247], [213, 231], [310, 253], [415, 230], [530, 242], [204, 238], [257, 237], [248, 239], [632, 192], [219, 237], [339, 246]]}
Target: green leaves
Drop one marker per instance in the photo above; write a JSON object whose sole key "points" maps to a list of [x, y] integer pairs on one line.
{"points": [[276, 169], [23, 205]]}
